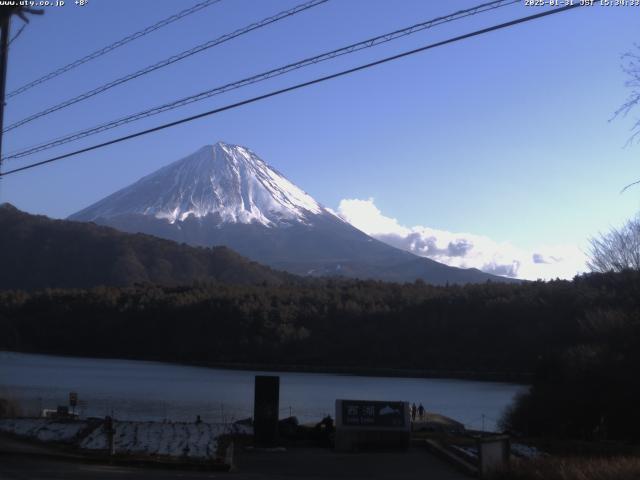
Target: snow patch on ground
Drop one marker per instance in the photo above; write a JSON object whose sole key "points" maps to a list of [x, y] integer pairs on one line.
{"points": [[153, 438], [517, 449], [522, 450], [176, 439], [471, 452], [43, 429]]}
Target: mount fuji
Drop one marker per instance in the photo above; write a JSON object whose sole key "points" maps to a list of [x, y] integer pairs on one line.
{"points": [[225, 194]]}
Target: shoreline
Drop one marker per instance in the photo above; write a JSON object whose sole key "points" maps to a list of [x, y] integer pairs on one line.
{"points": [[519, 378]]}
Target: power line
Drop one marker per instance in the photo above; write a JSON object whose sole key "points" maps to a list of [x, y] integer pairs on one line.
{"points": [[17, 35], [6, 13], [113, 46], [175, 58], [297, 86], [369, 43]]}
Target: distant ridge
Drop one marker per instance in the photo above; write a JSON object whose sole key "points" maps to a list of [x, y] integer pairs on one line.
{"points": [[37, 252]]}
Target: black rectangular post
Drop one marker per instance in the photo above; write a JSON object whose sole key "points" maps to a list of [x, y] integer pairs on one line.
{"points": [[265, 409]]}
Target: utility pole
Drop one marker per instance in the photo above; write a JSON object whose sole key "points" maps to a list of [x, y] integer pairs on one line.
{"points": [[5, 23], [4, 53]]}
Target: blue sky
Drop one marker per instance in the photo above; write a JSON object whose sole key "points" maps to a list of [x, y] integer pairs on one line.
{"points": [[504, 136]]}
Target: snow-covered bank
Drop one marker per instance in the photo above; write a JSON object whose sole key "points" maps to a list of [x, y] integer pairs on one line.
{"points": [[174, 439], [43, 429], [197, 440]]}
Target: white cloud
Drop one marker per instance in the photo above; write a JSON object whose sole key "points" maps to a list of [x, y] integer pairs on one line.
{"points": [[464, 250]]}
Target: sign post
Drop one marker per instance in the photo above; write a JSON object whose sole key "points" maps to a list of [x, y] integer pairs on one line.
{"points": [[73, 401], [110, 431], [266, 408]]}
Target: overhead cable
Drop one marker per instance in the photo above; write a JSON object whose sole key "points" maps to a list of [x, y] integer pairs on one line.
{"points": [[298, 86], [369, 43], [168, 61], [112, 46]]}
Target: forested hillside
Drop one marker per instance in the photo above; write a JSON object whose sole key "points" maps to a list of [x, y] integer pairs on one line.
{"points": [[579, 339], [324, 323], [38, 252]]}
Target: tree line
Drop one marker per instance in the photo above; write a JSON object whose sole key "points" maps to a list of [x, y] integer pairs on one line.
{"points": [[580, 338]]}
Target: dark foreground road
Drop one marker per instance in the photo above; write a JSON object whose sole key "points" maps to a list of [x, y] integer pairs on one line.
{"points": [[321, 464], [34, 468], [20, 460], [298, 463]]}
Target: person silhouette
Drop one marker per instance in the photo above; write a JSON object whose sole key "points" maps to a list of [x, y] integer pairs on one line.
{"points": [[421, 411], [413, 412]]}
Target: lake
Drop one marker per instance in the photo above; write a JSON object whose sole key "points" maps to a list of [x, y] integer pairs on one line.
{"points": [[139, 390]]}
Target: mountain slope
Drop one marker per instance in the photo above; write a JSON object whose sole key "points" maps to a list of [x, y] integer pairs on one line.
{"points": [[226, 195], [228, 181], [38, 252]]}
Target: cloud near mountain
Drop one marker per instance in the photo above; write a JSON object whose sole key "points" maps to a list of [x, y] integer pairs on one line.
{"points": [[464, 250]]}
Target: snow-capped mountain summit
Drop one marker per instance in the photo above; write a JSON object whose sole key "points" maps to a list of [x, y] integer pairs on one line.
{"points": [[222, 180], [226, 195]]}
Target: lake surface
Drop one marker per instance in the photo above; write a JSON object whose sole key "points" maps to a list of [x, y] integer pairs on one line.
{"points": [[139, 390]]}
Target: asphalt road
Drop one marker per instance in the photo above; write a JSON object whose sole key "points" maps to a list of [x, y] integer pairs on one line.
{"points": [[321, 464], [21, 460], [317, 464], [34, 468]]}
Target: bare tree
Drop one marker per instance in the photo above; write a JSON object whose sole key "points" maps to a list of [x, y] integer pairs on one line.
{"points": [[631, 66], [617, 250]]}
